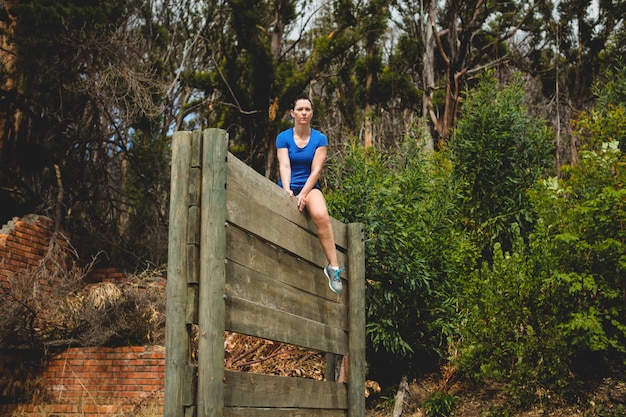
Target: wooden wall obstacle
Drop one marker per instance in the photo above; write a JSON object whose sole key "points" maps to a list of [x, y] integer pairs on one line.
{"points": [[242, 258]]}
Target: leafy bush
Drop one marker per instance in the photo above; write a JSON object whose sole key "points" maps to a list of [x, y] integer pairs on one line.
{"points": [[440, 404], [586, 213], [550, 311], [606, 122], [511, 331], [406, 207], [498, 153]]}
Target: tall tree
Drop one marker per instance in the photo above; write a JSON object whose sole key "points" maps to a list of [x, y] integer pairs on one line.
{"points": [[469, 35], [10, 111], [84, 94], [455, 39]]}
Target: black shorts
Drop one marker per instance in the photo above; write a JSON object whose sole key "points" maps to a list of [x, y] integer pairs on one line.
{"points": [[296, 192]]}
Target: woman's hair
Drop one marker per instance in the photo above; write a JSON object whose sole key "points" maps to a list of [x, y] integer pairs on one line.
{"points": [[300, 97]]}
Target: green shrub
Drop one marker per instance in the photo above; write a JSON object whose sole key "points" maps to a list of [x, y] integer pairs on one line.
{"points": [[511, 332], [585, 212], [412, 246], [498, 152], [440, 404]]}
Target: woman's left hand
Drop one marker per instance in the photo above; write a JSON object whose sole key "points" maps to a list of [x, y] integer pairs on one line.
{"points": [[301, 201]]}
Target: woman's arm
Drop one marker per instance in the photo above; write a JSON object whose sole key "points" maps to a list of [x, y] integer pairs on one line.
{"points": [[284, 168]]}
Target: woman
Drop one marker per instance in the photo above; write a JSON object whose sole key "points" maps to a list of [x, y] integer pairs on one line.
{"points": [[301, 153]]}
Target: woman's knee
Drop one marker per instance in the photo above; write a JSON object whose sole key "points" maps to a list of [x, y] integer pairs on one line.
{"points": [[317, 207]]}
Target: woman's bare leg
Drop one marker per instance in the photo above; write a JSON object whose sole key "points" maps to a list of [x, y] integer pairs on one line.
{"points": [[316, 205]]}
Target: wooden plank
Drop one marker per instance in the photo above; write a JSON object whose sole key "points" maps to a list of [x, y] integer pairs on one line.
{"points": [[266, 193], [212, 275], [247, 317], [195, 168], [191, 383], [356, 339], [331, 367], [253, 286], [281, 412], [176, 337], [191, 310], [193, 263], [193, 228], [193, 245], [196, 148], [195, 183], [245, 389], [191, 411], [267, 259], [263, 222]]}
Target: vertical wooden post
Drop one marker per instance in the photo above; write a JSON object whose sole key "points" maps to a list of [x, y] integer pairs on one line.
{"points": [[211, 306], [356, 325], [331, 366], [176, 337]]}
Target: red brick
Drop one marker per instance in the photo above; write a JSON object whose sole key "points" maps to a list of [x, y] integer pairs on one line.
{"points": [[137, 349]]}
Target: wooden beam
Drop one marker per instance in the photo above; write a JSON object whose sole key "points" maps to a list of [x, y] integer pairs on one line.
{"points": [[280, 412], [245, 389], [254, 319], [212, 275], [250, 285], [268, 259], [268, 194], [356, 338], [176, 336]]}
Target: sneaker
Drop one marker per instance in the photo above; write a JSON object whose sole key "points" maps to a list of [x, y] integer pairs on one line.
{"points": [[334, 280]]}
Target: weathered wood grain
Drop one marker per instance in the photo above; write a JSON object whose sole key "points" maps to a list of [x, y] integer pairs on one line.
{"points": [[245, 389], [356, 339], [212, 274], [281, 412], [262, 289], [268, 259], [268, 194], [176, 336], [247, 317]]}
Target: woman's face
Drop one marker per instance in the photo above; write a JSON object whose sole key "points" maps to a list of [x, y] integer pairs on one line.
{"points": [[302, 111]]}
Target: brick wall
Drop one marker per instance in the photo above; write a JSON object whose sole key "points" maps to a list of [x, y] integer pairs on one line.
{"points": [[83, 382], [100, 381], [23, 243]]}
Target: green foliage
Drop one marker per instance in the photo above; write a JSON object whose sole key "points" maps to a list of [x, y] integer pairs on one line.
{"points": [[511, 330], [552, 305], [606, 122], [411, 247], [586, 212], [440, 404], [498, 152]]}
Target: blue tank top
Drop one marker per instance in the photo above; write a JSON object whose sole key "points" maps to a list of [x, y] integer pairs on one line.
{"points": [[300, 158]]}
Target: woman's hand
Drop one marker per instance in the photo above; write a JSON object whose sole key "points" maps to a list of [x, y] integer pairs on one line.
{"points": [[301, 201]]}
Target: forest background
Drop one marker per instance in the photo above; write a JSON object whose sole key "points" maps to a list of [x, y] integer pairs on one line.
{"points": [[481, 143]]}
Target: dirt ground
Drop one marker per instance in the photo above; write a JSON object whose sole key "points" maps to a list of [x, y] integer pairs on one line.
{"points": [[605, 399]]}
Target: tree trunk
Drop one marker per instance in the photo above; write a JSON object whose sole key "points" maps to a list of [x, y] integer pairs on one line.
{"points": [[10, 118], [276, 42], [428, 76], [369, 117], [403, 388]]}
